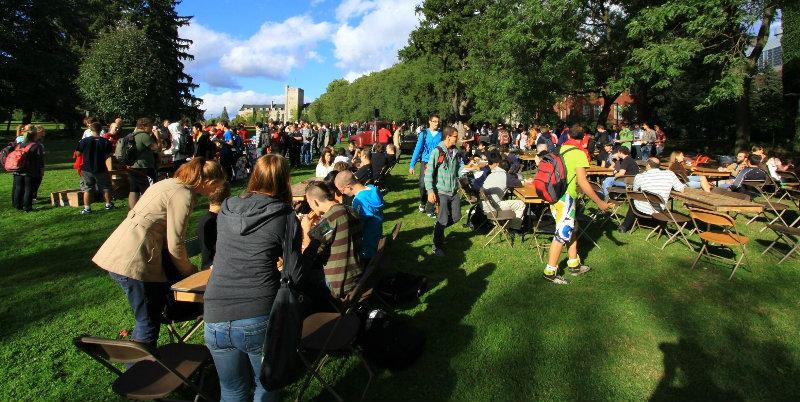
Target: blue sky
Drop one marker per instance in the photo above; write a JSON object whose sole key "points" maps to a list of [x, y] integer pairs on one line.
{"points": [[247, 50]]}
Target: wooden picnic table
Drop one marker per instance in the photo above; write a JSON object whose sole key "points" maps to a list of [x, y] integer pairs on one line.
{"points": [[299, 189], [191, 288], [475, 166], [715, 202], [599, 171], [527, 194]]}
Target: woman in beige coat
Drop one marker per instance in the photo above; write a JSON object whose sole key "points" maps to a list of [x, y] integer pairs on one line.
{"points": [[154, 229]]}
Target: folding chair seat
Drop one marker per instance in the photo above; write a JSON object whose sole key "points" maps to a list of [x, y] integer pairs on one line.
{"points": [[718, 229], [499, 217], [335, 334], [667, 217], [153, 375], [790, 234]]}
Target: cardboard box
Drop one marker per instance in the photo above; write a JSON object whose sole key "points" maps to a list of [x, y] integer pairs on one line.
{"points": [[59, 198], [74, 198]]}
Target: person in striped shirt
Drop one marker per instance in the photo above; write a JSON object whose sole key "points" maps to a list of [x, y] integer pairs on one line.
{"points": [[335, 233], [653, 180]]}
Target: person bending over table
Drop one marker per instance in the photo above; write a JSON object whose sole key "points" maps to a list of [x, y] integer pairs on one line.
{"points": [[333, 235], [132, 254], [627, 167], [654, 180], [368, 207]]}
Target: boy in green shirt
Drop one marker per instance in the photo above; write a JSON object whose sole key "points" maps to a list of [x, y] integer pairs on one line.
{"points": [[441, 184], [575, 162]]}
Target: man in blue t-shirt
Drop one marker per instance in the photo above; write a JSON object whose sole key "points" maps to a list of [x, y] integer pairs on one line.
{"points": [[427, 140], [226, 149], [368, 207]]}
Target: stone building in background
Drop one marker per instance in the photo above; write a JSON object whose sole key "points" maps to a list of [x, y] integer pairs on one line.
{"points": [[279, 112]]}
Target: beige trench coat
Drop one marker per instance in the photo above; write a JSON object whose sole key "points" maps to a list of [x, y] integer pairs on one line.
{"points": [[159, 219]]}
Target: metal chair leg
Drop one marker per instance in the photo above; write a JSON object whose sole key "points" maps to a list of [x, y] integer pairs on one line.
{"points": [[738, 262], [796, 246], [702, 250]]}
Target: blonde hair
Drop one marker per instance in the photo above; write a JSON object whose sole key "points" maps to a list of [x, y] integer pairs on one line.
{"points": [[194, 172], [271, 177]]}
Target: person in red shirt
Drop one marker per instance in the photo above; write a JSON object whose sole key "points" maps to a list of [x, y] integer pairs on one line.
{"points": [[242, 131], [384, 135]]}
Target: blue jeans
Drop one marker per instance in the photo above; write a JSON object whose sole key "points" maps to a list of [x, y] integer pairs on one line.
{"points": [[236, 348], [611, 182], [693, 182], [305, 154], [147, 300], [645, 152]]}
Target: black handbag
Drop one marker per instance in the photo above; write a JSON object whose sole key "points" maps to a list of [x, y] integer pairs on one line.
{"points": [[281, 364]]}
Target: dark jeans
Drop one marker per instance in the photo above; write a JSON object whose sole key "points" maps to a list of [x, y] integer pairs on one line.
{"points": [[236, 349], [37, 182], [226, 161], [147, 300], [449, 213], [22, 192]]}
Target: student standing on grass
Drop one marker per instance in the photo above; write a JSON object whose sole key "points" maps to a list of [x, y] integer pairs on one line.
{"points": [[251, 231], [427, 140], [155, 230], [96, 152], [563, 211], [441, 182], [22, 189], [142, 173]]}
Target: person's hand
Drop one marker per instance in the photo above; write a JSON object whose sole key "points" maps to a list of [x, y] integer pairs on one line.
{"points": [[605, 206], [306, 224], [431, 197], [411, 171]]}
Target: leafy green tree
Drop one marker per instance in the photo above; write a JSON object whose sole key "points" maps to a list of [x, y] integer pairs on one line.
{"points": [[791, 64], [127, 89], [677, 32], [224, 114]]}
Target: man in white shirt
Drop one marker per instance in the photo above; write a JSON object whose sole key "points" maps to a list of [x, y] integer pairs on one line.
{"points": [[495, 186], [653, 180]]}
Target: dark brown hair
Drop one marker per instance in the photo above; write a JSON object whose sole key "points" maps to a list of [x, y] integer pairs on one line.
{"points": [[271, 177]]}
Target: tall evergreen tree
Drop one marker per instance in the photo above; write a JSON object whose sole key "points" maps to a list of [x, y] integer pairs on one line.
{"points": [[791, 64], [224, 114]]}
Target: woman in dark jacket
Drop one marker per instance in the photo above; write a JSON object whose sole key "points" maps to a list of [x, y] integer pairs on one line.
{"points": [[251, 229], [23, 186]]}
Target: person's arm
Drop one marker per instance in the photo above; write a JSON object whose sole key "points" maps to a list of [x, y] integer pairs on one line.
{"points": [[586, 188], [179, 212], [619, 173], [678, 185], [415, 154]]}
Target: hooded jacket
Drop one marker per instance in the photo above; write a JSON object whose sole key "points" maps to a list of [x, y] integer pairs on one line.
{"points": [[368, 207], [245, 277]]}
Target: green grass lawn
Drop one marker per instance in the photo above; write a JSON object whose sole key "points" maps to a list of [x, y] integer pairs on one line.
{"points": [[640, 325]]}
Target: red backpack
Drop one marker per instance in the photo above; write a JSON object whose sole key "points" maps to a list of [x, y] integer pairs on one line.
{"points": [[18, 158], [550, 181]]}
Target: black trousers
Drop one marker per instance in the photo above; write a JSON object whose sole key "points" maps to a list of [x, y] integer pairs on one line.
{"points": [[37, 182], [22, 192], [449, 213], [423, 195]]}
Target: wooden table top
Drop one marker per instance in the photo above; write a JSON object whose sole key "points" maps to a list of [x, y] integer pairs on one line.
{"points": [[599, 171], [299, 189], [527, 194], [715, 202], [527, 157], [475, 166], [192, 288]]}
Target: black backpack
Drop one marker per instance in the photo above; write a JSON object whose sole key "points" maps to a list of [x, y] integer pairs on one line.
{"points": [[126, 153], [400, 287], [476, 219], [389, 342]]}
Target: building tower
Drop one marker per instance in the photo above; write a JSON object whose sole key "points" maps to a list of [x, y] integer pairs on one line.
{"points": [[294, 103]]}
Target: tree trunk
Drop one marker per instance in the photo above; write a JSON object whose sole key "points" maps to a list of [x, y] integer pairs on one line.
{"points": [[608, 101], [743, 103], [743, 118]]}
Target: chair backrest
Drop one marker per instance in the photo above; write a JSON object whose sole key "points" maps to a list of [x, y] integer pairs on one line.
{"points": [[489, 199], [789, 179], [654, 199], [111, 350], [711, 218], [636, 196], [355, 295], [628, 180]]}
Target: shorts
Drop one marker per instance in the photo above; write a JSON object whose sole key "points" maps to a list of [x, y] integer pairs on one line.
{"points": [[140, 179], [563, 212], [95, 181]]}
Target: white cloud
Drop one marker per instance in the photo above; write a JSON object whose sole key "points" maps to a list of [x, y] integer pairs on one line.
{"points": [[272, 52], [373, 43], [213, 103], [313, 55], [353, 8], [275, 49]]}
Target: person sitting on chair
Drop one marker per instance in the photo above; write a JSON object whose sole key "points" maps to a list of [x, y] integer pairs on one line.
{"points": [[751, 171], [653, 180], [627, 167], [495, 184]]}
